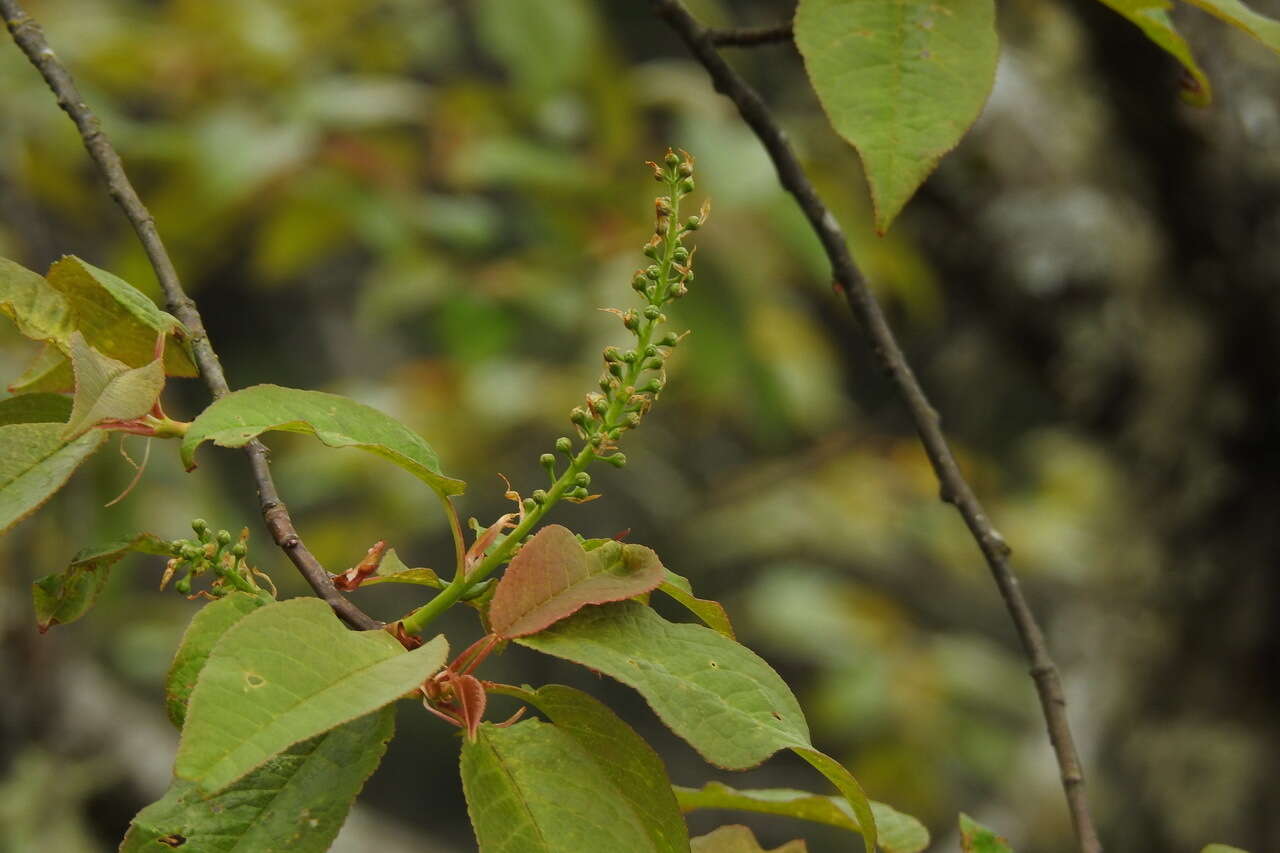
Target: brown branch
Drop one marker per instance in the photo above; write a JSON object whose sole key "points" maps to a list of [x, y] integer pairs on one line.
{"points": [[955, 489], [30, 38], [749, 36]]}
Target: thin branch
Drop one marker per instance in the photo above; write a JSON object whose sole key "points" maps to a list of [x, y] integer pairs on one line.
{"points": [[851, 283], [749, 36], [30, 38]]}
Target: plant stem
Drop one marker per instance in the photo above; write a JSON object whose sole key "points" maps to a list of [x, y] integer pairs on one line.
{"points": [[418, 620]]}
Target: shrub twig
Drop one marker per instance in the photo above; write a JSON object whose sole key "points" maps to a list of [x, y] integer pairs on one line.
{"points": [[30, 39], [852, 285]]}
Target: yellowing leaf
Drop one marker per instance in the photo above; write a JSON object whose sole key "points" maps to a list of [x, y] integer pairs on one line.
{"points": [[35, 461], [38, 310], [976, 838], [1237, 14], [553, 577], [107, 389], [739, 839], [901, 80]]}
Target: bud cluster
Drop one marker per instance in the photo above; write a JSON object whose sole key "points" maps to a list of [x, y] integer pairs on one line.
{"points": [[212, 553], [634, 377]]}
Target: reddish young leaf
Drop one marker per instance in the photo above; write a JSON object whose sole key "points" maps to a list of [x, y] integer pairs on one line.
{"points": [[553, 577]]}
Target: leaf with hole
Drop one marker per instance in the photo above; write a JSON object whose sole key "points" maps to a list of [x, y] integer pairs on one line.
{"points": [[242, 416], [65, 596], [206, 628], [284, 673], [976, 838], [107, 389], [739, 839], [35, 461], [633, 770], [712, 613], [553, 577], [897, 832], [296, 802], [901, 80], [533, 788]]}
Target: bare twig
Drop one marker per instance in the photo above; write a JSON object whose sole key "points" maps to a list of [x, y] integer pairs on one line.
{"points": [[749, 36], [30, 38], [955, 489]]}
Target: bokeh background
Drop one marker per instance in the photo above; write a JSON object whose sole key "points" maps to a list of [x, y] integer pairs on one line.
{"points": [[423, 203]]}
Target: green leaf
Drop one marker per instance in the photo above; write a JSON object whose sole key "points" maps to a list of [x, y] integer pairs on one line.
{"points": [[712, 613], [976, 838], [739, 839], [116, 318], [35, 409], [716, 694], [553, 577], [634, 770], [393, 570], [35, 461], [107, 389], [1222, 848], [40, 311], [532, 788], [296, 802], [1237, 14], [206, 628], [282, 674], [50, 370], [1152, 17], [902, 80], [897, 832], [243, 415], [67, 595]]}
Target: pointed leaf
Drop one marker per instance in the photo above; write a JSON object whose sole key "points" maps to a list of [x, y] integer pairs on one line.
{"points": [[39, 310], [50, 370], [712, 613], [393, 570], [243, 415], [976, 838], [633, 769], [67, 595], [107, 389], [1237, 14], [739, 839], [35, 461], [898, 832], [116, 318], [716, 694], [284, 673], [553, 577], [206, 628], [295, 803], [1152, 17], [35, 409], [532, 788], [902, 80]]}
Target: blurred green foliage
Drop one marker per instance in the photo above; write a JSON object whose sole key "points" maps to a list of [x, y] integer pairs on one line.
{"points": [[422, 204]]}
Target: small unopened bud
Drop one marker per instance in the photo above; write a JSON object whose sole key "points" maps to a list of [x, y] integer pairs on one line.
{"points": [[239, 549], [529, 504], [565, 445], [615, 369], [678, 290], [686, 169], [539, 497], [631, 320], [617, 460], [612, 354], [630, 356], [578, 416], [653, 363], [224, 537], [184, 585], [598, 403], [652, 272], [669, 340], [686, 186], [582, 478], [651, 251], [549, 463], [652, 312], [578, 493], [672, 159], [653, 386], [681, 254], [693, 223], [633, 420], [663, 205]]}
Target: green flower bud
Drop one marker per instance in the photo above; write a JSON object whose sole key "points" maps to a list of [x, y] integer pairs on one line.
{"points": [[672, 159], [184, 585], [653, 363], [598, 403], [191, 552], [582, 478], [639, 283], [651, 251], [633, 420], [686, 186], [693, 223], [652, 312], [681, 254], [597, 440], [199, 525], [630, 356], [549, 463], [671, 339], [650, 351], [539, 497], [529, 504], [685, 170], [617, 460], [678, 290], [652, 273], [578, 416], [616, 369], [224, 537], [239, 549], [612, 354], [631, 320], [565, 445], [578, 493], [653, 386]]}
